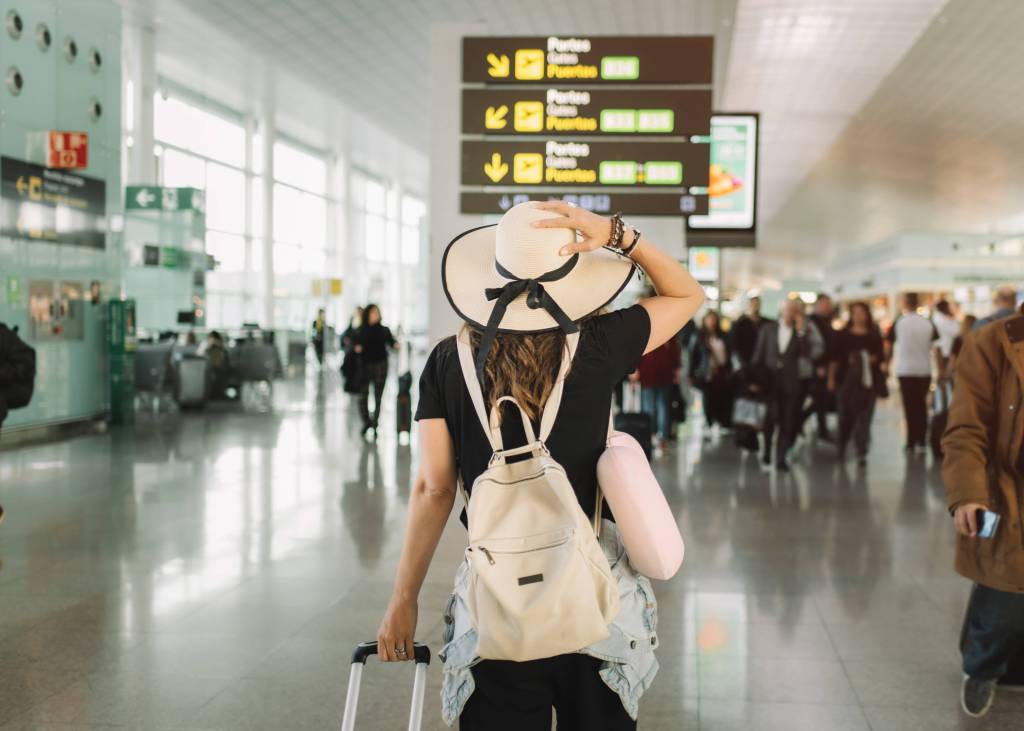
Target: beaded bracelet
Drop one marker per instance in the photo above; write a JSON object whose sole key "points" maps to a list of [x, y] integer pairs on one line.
{"points": [[617, 232]]}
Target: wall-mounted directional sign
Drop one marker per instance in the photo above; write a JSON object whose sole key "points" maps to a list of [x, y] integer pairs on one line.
{"points": [[578, 164], [52, 205], [158, 198], [588, 60], [629, 204], [592, 112]]}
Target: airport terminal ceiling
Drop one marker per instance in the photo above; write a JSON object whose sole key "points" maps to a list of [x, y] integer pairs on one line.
{"points": [[876, 117]]}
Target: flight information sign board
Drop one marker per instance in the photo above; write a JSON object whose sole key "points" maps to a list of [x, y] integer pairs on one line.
{"points": [[588, 60], [591, 112], [584, 164], [732, 184], [629, 204]]}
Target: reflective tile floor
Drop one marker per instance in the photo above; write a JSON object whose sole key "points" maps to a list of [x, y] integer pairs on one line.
{"points": [[214, 570]]}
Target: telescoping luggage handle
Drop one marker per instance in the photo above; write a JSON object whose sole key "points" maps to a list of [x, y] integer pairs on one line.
{"points": [[421, 655]]}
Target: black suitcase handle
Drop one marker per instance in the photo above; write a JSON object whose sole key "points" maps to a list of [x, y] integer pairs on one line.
{"points": [[421, 653]]}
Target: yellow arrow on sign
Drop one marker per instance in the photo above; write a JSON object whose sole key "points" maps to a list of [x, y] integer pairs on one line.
{"points": [[496, 169], [21, 185], [498, 65], [495, 118]]}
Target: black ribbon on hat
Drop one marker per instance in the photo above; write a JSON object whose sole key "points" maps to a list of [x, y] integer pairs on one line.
{"points": [[536, 298]]}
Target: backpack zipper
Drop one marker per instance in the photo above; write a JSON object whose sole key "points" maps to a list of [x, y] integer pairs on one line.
{"points": [[492, 562]]}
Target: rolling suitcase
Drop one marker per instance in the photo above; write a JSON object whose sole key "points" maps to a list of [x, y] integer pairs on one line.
{"points": [[941, 400], [362, 652], [634, 421], [403, 409], [192, 381]]}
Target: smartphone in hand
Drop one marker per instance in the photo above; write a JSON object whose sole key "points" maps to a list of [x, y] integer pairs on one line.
{"points": [[987, 522]]}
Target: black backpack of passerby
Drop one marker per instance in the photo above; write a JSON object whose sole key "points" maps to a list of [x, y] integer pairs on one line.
{"points": [[17, 371]]}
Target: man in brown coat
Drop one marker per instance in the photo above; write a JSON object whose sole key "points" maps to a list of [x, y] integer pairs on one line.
{"points": [[984, 471]]}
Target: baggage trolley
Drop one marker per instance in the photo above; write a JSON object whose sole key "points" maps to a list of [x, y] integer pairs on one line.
{"points": [[421, 655]]}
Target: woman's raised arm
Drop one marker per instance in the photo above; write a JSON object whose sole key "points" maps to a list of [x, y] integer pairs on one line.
{"points": [[678, 297]]}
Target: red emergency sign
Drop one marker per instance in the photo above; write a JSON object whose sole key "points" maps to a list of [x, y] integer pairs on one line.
{"points": [[67, 150]]}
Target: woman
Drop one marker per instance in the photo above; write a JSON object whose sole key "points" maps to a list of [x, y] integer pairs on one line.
{"points": [[317, 331], [519, 350], [372, 343], [856, 377], [351, 368], [711, 370]]}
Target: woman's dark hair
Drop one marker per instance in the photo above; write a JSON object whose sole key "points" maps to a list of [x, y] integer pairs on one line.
{"points": [[867, 314], [524, 366], [366, 313], [943, 307], [704, 323]]}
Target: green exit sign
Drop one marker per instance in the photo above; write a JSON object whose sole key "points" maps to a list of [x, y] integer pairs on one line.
{"points": [[620, 67]]}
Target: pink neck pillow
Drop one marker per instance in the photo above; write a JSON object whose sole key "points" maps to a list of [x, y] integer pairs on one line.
{"points": [[644, 519]]}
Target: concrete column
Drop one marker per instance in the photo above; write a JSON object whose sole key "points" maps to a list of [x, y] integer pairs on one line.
{"points": [[141, 51], [268, 132], [445, 126], [354, 245]]}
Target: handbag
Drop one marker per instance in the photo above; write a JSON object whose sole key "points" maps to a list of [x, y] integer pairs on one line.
{"points": [[649, 530], [678, 405], [749, 412]]}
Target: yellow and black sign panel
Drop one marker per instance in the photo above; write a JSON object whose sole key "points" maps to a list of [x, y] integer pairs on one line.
{"points": [[50, 204], [587, 112], [641, 165], [588, 60]]}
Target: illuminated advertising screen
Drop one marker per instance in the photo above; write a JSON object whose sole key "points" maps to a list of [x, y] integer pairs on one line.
{"points": [[732, 184]]}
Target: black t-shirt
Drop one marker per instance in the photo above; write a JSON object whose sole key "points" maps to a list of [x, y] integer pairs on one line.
{"points": [[610, 348], [847, 343], [375, 339]]}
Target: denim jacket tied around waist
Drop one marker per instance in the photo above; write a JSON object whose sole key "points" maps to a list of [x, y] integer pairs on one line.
{"points": [[628, 663]]}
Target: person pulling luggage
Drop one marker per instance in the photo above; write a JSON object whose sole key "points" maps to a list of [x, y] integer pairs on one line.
{"points": [[549, 600]]}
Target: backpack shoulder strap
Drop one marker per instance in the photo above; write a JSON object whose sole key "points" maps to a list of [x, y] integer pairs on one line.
{"points": [[547, 419], [476, 394], [554, 402]]}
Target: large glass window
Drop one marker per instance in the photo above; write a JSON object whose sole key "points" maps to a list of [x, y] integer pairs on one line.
{"points": [[391, 228], [203, 149], [301, 252], [179, 123]]}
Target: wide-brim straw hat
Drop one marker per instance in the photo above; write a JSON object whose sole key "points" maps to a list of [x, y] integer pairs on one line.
{"points": [[512, 255]]}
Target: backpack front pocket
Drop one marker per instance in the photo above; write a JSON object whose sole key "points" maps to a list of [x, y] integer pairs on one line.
{"points": [[534, 597]]}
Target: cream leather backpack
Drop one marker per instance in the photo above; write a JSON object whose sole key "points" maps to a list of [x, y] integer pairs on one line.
{"points": [[540, 584]]}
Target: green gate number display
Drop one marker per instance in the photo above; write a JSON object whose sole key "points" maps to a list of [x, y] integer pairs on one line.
{"points": [[620, 67], [617, 172]]}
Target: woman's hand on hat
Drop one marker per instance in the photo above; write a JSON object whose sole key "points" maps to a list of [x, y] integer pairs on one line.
{"points": [[594, 229]]}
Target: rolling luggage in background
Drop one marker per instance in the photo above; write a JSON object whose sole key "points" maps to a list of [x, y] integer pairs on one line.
{"points": [[403, 409], [941, 399], [192, 381], [634, 421], [362, 652]]}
